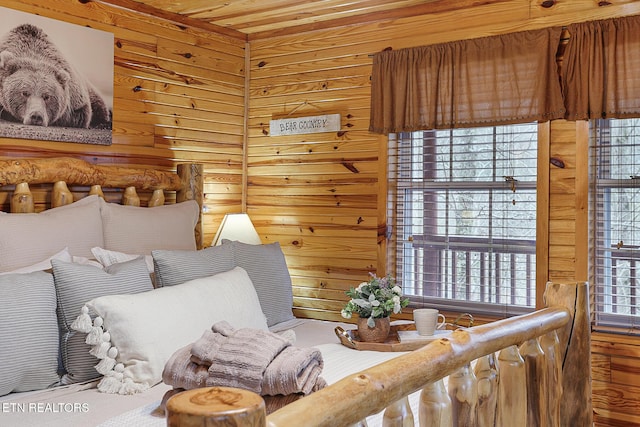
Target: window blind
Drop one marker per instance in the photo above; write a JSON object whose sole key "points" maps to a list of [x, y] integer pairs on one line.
{"points": [[615, 215], [462, 205]]}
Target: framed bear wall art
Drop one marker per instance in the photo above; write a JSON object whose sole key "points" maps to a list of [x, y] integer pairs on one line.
{"points": [[56, 80]]}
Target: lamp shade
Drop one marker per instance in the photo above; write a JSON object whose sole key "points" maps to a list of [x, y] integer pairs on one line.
{"points": [[238, 227]]}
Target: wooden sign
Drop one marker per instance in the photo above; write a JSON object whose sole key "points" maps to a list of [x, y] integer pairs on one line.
{"points": [[301, 125]]}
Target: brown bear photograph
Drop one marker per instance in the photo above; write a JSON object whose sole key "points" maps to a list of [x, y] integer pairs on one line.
{"points": [[56, 80]]}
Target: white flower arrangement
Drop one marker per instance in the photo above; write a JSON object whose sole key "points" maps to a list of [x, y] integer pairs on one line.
{"points": [[377, 298]]}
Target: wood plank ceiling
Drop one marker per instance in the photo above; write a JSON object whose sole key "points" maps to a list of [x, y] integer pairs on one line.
{"points": [[255, 19]]}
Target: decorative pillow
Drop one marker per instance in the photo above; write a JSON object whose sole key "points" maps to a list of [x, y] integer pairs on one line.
{"points": [[76, 284], [137, 230], [63, 255], [175, 267], [28, 332], [85, 261], [269, 273], [107, 258], [26, 239], [146, 329]]}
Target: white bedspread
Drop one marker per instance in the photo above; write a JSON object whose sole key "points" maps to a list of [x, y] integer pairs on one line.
{"points": [[84, 406]]}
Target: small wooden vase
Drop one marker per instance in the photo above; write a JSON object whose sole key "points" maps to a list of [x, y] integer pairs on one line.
{"points": [[378, 333]]}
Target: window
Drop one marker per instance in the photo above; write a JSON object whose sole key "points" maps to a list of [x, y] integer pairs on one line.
{"points": [[615, 214], [462, 205]]}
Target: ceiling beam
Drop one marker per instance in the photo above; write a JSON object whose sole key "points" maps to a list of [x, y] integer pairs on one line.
{"points": [[177, 19]]}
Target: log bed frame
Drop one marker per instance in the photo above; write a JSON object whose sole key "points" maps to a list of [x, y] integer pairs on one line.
{"points": [[62, 172], [558, 378], [543, 378], [543, 375]]}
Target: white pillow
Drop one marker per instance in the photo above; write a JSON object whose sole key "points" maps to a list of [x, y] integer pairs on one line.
{"points": [[147, 328], [86, 261], [28, 238], [138, 230], [107, 258], [63, 255]]}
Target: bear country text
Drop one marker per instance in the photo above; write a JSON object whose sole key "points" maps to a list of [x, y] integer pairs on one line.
{"points": [[301, 125]]}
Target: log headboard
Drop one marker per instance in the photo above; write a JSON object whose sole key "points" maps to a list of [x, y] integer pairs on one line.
{"points": [[33, 185]]}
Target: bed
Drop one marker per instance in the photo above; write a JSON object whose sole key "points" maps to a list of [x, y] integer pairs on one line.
{"points": [[55, 267]]}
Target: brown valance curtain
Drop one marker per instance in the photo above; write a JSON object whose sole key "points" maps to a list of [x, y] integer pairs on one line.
{"points": [[511, 78], [601, 69]]}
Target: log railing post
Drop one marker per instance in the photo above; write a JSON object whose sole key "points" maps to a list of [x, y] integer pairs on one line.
{"points": [[575, 352], [435, 406], [463, 391], [550, 346], [486, 371], [512, 389], [535, 368], [398, 414]]}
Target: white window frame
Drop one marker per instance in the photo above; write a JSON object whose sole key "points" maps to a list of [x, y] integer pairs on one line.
{"points": [[615, 255], [488, 251]]}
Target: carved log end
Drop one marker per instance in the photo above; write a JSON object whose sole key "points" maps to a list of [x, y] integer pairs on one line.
{"points": [[216, 406]]}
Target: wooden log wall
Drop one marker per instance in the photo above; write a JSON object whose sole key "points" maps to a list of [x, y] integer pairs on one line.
{"points": [[179, 96], [322, 195]]}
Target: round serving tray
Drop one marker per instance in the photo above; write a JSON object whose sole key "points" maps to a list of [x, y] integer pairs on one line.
{"points": [[409, 340], [350, 338]]}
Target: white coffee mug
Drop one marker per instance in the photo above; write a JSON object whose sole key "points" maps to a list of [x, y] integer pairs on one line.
{"points": [[428, 320]]}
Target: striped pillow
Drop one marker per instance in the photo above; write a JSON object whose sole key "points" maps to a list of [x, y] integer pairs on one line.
{"points": [[269, 273], [76, 284], [265, 265], [175, 267], [28, 332]]}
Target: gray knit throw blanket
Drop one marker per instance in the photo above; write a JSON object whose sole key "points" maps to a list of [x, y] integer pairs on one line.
{"points": [[252, 359]]}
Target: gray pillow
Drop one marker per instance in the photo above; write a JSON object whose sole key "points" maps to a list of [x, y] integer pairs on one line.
{"points": [[175, 267], [269, 273], [137, 230], [28, 332], [28, 238], [265, 265], [75, 285]]}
